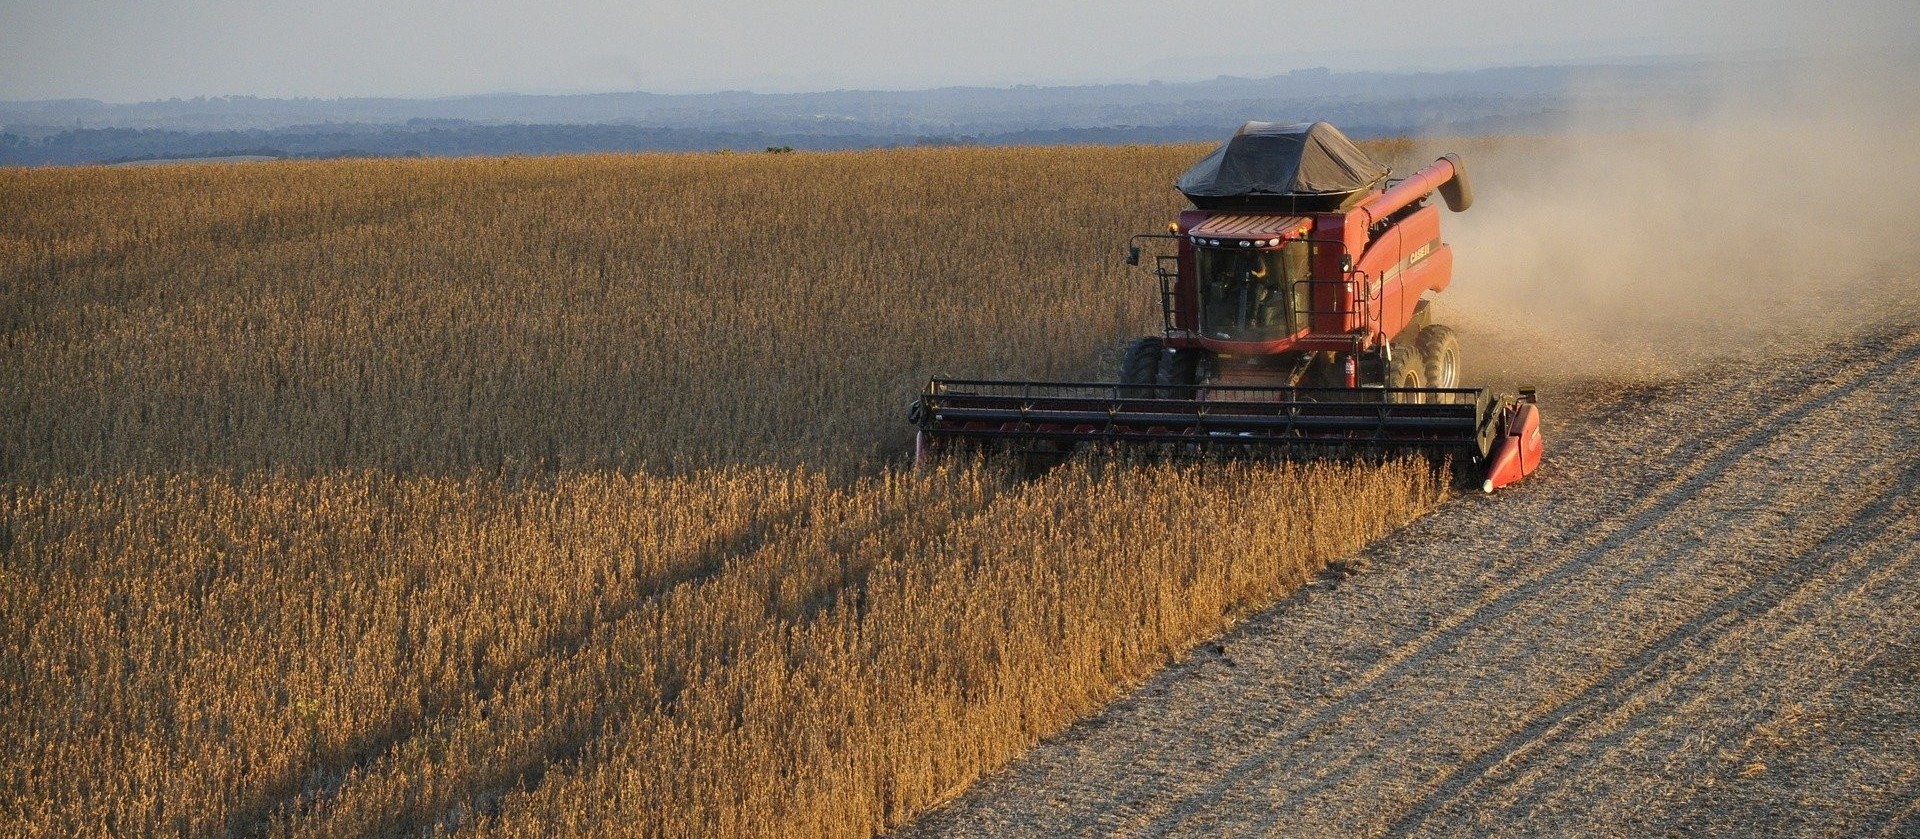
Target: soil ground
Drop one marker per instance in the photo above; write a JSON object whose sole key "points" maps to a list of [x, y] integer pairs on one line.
{"points": [[1702, 617]]}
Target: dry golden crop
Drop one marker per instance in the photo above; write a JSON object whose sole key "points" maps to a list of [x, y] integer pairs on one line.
{"points": [[559, 496], [644, 311]]}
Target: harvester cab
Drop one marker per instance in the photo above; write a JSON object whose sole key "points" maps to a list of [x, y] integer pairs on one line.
{"points": [[1294, 300]]}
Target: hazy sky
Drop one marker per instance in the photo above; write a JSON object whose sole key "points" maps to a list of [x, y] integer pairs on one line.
{"points": [[131, 50]]}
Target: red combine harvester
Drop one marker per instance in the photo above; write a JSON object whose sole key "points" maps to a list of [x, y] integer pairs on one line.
{"points": [[1295, 318]]}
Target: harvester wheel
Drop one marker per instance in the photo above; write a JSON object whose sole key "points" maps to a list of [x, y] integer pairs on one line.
{"points": [[1178, 373], [1440, 353], [1141, 366], [1408, 369]]}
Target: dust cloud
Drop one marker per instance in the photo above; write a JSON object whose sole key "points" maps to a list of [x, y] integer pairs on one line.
{"points": [[1749, 215]]}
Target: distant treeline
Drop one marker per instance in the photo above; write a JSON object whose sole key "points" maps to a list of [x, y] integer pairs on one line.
{"points": [[1369, 104], [453, 138], [116, 145]]}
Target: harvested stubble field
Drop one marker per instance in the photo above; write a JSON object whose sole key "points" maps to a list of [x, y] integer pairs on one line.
{"points": [[561, 497]]}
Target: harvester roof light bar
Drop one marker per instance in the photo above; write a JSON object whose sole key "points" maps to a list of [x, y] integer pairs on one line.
{"points": [[1244, 243]]}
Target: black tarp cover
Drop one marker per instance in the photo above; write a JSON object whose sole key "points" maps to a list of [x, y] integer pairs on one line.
{"points": [[1299, 160]]}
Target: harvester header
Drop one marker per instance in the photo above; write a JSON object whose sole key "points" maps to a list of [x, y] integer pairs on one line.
{"points": [[1295, 314]]}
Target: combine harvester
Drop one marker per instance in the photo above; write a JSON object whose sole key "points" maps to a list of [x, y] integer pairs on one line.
{"points": [[1295, 318]]}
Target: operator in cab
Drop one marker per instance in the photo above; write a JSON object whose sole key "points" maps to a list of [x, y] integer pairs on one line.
{"points": [[1253, 295]]}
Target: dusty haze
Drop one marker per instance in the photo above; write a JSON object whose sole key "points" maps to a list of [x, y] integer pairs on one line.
{"points": [[1691, 231]]}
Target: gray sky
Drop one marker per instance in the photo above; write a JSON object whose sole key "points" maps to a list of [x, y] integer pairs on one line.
{"points": [[132, 50]]}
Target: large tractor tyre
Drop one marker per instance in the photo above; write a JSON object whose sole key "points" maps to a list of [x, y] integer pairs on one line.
{"points": [[1141, 367], [1407, 370], [1179, 371], [1440, 354]]}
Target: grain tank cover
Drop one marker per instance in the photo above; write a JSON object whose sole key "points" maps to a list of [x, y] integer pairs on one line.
{"points": [[1299, 167]]}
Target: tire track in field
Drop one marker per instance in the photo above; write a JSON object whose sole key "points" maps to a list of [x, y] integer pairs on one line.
{"points": [[1851, 578], [1668, 477], [1706, 811], [1709, 466], [1655, 662], [1650, 528]]}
